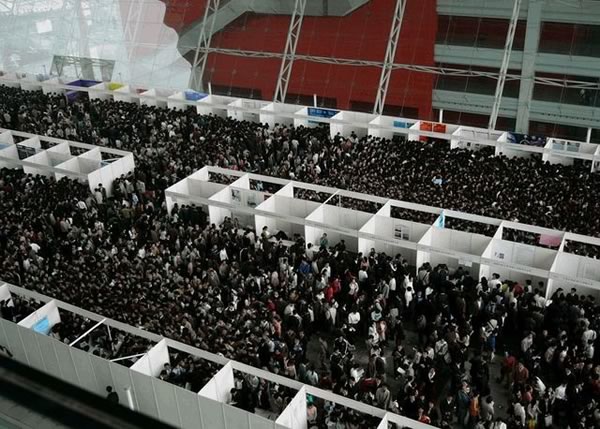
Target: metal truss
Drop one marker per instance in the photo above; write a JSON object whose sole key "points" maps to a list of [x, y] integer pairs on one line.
{"points": [[438, 70], [6, 7], [390, 56], [510, 37], [291, 43], [134, 17], [201, 54]]}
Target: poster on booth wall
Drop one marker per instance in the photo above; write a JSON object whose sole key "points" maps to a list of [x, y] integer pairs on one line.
{"points": [[517, 138], [425, 126]]}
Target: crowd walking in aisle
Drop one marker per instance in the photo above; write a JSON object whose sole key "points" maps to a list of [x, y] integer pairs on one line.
{"points": [[238, 292]]}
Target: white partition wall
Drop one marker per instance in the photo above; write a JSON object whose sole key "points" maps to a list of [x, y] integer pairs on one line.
{"points": [[5, 294], [248, 109], [43, 319], [294, 416], [155, 97], [313, 116], [393, 126], [271, 114], [153, 362], [465, 137], [127, 94], [449, 242], [96, 165], [355, 124], [214, 105], [287, 114], [53, 86]]}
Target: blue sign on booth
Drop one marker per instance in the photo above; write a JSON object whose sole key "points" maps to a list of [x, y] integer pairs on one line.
{"points": [[42, 326]]}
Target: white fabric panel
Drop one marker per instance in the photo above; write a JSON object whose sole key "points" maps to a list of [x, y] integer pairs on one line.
{"points": [[5, 294], [235, 417], [142, 365], [122, 382], [14, 341], [212, 413], [189, 410], [49, 310], [258, 422], [49, 356], [144, 392], [167, 404], [85, 372], [3, 339], [104, 377], [32, 349], [65, 361]]}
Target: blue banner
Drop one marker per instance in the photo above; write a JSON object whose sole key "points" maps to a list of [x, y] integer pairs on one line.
{"points": [[194, 96], [526, 139], [402, 124], [42, 326], [322, 113]]}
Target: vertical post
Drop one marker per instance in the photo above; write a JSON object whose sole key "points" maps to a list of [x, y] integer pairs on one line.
{"points": [[510, 37], [588, 138], [287, 62], [129, 398], [204, 38], [390, 56], [441, 116], [315, 100], [530, 49]]}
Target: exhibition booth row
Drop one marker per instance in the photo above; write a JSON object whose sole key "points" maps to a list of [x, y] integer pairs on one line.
{"points": [[345, 123], [481, 245], [60, 158], [139, 379]]}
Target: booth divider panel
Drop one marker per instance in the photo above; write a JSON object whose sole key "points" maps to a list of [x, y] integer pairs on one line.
{"points": [[65, 361], [85, 371], [189, 410], [49, 356], [258, 422], [32, 349], [142, 385], [167, 404], [104, 378], [3, 338], [212, 413], [122, 382], [235, 418]]}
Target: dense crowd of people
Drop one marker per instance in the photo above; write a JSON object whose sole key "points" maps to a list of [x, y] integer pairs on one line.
{"points": [[308, 312]]}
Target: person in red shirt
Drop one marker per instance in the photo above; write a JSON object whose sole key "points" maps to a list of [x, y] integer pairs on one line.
{"points": [[506, 370]]}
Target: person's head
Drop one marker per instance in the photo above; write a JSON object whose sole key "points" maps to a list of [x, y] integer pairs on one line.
{"points": [[109, 389]]}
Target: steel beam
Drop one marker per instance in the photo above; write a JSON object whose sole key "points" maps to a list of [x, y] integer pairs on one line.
{"points": [[204, 38], [390, 56], [446, 71], [289, 54], [510, 37], [530, 50]]}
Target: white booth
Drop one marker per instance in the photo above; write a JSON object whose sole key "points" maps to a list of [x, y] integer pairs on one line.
{"points": [[312, 116], [274, 114], [246, 115], [214, 105], [155, 97], [463, 137], [356, 123], [399, 126]]}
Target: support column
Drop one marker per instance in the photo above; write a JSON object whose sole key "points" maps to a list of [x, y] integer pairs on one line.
{"points": [[510, 37], [530, 49], [390, 56], [201, 55], [287, 61]]}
